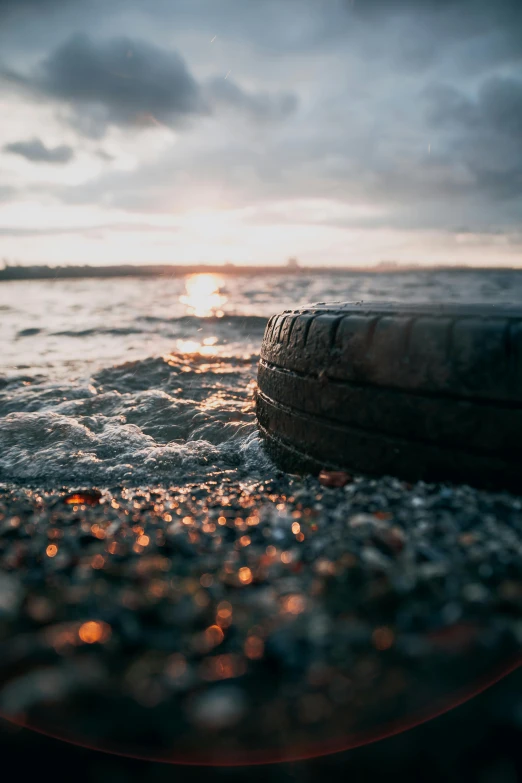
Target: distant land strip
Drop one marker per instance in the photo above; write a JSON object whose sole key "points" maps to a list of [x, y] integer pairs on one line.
{"points": [[44, 272]]}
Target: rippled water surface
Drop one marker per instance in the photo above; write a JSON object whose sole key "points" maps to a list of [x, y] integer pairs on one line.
{"points": [[152, 380]]}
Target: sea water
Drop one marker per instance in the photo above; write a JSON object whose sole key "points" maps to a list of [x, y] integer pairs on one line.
{"points": [[151, 381]]}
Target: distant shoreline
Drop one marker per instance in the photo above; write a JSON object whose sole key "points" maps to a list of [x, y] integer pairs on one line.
{"points": [[42, 272]]}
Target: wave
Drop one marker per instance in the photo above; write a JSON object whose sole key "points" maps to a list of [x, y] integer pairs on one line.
{"points": [[159, 420], [245, 325], [28, 332], [93, 331], [246, 321]]}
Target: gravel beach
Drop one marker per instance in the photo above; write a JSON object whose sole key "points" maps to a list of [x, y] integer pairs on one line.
{"points": [[237, 621]]}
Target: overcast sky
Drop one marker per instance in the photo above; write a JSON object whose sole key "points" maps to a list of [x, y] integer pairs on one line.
{"points": [[248, 131]]}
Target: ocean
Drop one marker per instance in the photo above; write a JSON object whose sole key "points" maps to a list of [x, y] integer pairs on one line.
{"points": [[152, 380]]}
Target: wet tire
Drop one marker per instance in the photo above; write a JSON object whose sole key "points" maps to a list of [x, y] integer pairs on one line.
{"points": [[415, 391]]}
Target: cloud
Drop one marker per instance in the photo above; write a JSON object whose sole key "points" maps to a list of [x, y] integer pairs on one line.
{"points": [[7, 193], [500, 106], [497, 107], [467, 176], [411, 106], [125, 82], [85, 230], [470, 34], [479, 13], [130, 83], [120, 82], [260, 106], [22, 6], [36, 151], [483, 133]]}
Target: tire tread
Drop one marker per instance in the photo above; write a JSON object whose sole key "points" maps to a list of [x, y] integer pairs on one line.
{"points": [[421, 366]]}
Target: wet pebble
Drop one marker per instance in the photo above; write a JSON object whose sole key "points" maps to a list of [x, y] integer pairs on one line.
{"points": [[237, 608], [218, 708]]}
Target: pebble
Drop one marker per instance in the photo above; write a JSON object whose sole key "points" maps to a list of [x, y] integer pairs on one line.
{"points": [[334, 478], [218, 708], [11, 593], [239, 612], [375, 559], [364, 520]]}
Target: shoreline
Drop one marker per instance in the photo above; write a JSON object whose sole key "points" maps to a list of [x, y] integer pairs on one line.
{"points": [[17, 273]]}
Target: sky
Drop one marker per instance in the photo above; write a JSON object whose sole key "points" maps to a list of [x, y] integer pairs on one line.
{"points": [[340, 132]]}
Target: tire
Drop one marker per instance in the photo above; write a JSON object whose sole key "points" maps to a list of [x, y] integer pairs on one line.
{"points": [[415, 391]]}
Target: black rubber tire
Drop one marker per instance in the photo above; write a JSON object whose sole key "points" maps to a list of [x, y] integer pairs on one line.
{"points": [[416, 391]]}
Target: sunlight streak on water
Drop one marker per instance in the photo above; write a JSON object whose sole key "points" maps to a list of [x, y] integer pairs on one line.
{"points": [[203, 297], [193, 347]]}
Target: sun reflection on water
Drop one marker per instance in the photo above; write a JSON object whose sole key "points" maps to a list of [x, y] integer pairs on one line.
{"points": [[204, 348], [203, 297]]}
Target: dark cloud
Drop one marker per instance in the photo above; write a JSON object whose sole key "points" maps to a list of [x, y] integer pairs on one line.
{"points": [[12, 11], [447, 106], [472, 35], [497, 107], [36, 151], [483, 134], [119, 82], [128, 82], [477, 12], [260, 106], [500, 106], [9, 6]]}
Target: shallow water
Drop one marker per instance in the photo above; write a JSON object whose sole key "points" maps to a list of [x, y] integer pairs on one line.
{"points": [[150, 381]]}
